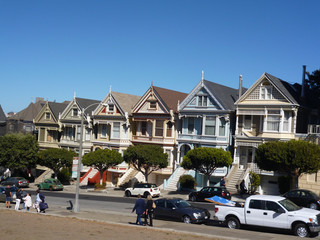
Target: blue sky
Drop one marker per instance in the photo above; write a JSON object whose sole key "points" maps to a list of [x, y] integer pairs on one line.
{"points": [[53, 49]]}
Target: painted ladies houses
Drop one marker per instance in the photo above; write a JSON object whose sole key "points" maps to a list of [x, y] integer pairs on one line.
{"points": [[154, 120], [207, 118], [112, 129], [267, 111], [48, 126], [70, 120]]}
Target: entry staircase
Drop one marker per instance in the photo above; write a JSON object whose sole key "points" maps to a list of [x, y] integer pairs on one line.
{"points": [[172, 182], [46, 174], [130, 173], [91, 173], [234, 179]]}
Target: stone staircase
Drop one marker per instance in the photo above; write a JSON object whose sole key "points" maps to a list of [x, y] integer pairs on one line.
{"points": [[172, 183], [46, 174], [91, 174], [233, 179], [131, 173]]}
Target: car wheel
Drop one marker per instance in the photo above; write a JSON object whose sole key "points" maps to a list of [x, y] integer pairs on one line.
{"points": [[313, 206], [193, 198], [301, 230], [186, 219], [233, 223], [50, 188], [128, 194], [146, 194]]}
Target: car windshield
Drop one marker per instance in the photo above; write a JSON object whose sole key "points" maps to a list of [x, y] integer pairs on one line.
{"points": [[56, 181], [288, 205], [179, 203]]}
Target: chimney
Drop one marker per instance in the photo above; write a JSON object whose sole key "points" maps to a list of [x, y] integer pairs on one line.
{"points": [[240, 86], [303, 80]]}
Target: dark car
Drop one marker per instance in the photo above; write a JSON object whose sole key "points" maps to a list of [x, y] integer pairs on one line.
{"points": [[304, 198], [208, 192], [179, 210], [16, 181], [13, 190]]}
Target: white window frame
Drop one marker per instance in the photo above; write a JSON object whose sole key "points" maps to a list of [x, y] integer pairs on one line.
{"points": [[116, 130], [104, 131], [245, 127], [214, 127], [266, 92], [225, 126], [273, 121]]}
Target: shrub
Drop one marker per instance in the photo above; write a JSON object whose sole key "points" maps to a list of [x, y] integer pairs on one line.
{"points": [[284, 184], [100, 186], [254, 181], [64, 175], [187, 181]]}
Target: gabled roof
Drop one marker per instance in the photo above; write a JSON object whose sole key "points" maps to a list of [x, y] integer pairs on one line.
{"points": [[29, 113], [85, 103], [3, 117], [126, 101], [289, 91], [170, 97], [57, 108]]}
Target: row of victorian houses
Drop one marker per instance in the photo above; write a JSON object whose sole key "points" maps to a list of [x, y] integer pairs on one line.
{"points": [[211, 115]]}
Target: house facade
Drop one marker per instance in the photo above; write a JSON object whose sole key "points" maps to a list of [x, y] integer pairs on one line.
{"points": [[267, 111], [154, 120], [48, 126], [207, 117]]}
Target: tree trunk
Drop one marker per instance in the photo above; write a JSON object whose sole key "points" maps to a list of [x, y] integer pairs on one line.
{"points": [[294, 180], [146, 176], [101, 177]]}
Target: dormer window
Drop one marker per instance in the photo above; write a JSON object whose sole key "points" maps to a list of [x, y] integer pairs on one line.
{"points": [[266, 91], [153, 105], [111, 107], [48, 115], [75, 112], [202, 101]]}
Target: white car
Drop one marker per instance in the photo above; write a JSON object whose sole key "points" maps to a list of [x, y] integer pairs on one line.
{"points": [[144, 189]]}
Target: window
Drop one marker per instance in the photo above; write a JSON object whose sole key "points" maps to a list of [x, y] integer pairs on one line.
{"points": [[78, 133], [116, 130], [202, 101], [69, 133], [247, 122], [48, 115], [169, 156], [255, 204], [272, 206], [143, 128], [286, 122], [104, 129], [111, 107], [266, 92], [159, 128], [222, 127], [273, 120], [88, 134], [190, 125], [153, 104], [210, 128], [169, 129], [75, 112]]}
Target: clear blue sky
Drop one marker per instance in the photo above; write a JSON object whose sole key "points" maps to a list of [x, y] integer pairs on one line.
{"points": [[52, 49]]}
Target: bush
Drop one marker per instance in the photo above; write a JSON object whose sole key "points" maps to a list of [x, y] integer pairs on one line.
{"points": [[254, 181], [64, 176], [284, 184], [100, 186], [187, 181]]}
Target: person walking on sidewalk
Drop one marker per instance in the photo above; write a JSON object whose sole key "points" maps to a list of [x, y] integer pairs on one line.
{"points": [[140, 208], [149, 210], [8, 194], [18, 199]]}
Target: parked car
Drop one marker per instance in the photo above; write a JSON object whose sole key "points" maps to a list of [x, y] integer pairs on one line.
{"points": [[208, 192], [16, 181], [51, 184], [179, 210], [13, 190], [271, 211], [304, 198], [144, 189]]}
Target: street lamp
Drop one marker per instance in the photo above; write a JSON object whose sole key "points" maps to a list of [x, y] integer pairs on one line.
{"points": [[77, 206]]}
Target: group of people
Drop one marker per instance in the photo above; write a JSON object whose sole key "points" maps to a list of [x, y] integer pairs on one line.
{"points": [[145, 209], [24, 198]]}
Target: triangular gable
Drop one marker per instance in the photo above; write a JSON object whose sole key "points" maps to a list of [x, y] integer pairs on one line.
{"points": [[268, 88], [193, 101], [68, 113], [104, 107], [46, 115]]}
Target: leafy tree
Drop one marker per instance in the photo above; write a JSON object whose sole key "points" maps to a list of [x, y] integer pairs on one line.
{"points": [[254, 181], [313, 83], [18, 151], [102, 159], [206, 160], [146, 158], [292, 158], [56, 159]]}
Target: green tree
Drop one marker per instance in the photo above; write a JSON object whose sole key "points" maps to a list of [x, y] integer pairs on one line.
{"points": [[313, 91], [146, 158], [102, 159], [18, 151], [292, 158], [206, 160], [254, 181], [56, 159]]}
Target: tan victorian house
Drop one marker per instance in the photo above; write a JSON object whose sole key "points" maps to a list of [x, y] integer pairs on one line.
{"points": [[154, 120], [48, 126]]}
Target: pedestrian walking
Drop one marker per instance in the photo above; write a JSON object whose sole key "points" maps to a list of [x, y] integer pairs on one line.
{"points": [[23, 195], [38, 201], [18, 199], [28, 201], [222, 182], [149, 210], [8, 194], [140, 208]]}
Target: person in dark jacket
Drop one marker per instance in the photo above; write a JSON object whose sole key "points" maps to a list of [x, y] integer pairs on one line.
{"points": [[140, 208], [18, 199], [8, 194], [149, 211]]}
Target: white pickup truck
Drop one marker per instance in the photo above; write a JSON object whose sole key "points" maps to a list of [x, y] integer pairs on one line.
{"points": [[271, 211]]}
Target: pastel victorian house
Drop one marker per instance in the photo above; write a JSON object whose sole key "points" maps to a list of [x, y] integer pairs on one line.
{"points": [[47, 124], [111, 126], [267, 111], [207, 118], [70, 122], [154, 119]]}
